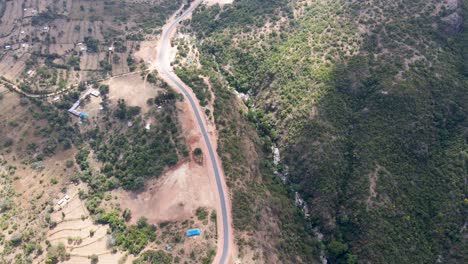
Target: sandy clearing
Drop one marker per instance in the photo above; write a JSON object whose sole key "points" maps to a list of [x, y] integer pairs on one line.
{"points": [[173, 197], [146, 51], [133, 89]]}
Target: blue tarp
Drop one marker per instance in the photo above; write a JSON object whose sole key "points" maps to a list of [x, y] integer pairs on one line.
{"points": [[193, 232], [83, 115]]}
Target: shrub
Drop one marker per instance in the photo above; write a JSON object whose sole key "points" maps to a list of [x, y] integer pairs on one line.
{"points": [[201, 213], [197, 152], [69, 163], [94, 259], [57, 253], [152, 256]]}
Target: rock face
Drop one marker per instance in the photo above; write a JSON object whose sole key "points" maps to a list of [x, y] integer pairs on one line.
{"points": [[452, 23], [452, 4]]}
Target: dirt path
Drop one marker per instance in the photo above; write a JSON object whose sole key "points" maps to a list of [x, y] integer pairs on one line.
{"points": [[14, 88], [205, 130]]}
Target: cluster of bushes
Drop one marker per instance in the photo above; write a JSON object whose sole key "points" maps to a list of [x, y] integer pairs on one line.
{"points": [[153, 257], [44, 17], [138, 153], [157, 15], [197, 84], [59, 131], [135, 37], [241, 15], [56, 254], [340, 117], [255, 191], [124, 112], [92, 44], [133, 238]]}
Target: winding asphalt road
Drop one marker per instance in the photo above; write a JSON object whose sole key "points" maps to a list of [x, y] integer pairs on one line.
{"points": [[165, 69]]}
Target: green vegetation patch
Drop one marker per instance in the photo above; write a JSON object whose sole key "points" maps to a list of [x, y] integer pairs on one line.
{"points": [[367, 104], [133, 238], [154, 257]]}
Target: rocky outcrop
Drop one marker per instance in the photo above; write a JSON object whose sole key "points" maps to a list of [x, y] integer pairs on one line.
{"points": [[452, 23]]}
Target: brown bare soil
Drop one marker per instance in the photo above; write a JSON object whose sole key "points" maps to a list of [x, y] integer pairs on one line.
{"points": [[13, 11], [74, 31], [173, 197], [74, 231], [12, 68], [133, 88], [90, 61], [146, 51]]}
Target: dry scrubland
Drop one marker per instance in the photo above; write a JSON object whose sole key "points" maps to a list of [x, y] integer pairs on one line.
{"points": [[365, 101], [51, 45], [111, 215], [33, 183]]}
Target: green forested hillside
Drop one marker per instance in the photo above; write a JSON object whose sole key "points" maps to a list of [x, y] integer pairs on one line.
{"points": [[367, 101]]}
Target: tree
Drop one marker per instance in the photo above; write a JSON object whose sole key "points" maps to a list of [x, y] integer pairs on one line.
{"points": [[94, 259], [336, 249], [142, 222], [92, 44], [116, 59], [104, 89], [16, 239], [127, 214], [57, 253], [69, 163], [197, 151], [153, 257], [121, 112]]}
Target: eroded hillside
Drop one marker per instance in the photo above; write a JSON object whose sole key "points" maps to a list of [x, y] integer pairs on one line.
{"points": [[367, 102]]}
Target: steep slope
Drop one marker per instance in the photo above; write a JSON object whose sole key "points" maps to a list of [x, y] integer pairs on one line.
{"points": [[367, 99]]}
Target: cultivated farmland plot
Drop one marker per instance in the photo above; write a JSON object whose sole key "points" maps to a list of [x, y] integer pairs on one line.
{"points": [[73, 35]]}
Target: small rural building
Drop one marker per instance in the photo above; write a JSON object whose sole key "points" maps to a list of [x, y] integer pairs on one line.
{"points": [[73, 110], [94, 93], [193, 232]]}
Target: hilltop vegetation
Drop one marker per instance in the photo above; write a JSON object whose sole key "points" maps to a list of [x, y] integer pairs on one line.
{"points": [[367, 100]]}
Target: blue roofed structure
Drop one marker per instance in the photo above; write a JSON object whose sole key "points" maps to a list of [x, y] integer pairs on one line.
{"points": [[193, 232]]}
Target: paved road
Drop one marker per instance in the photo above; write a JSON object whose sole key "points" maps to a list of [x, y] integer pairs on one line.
{"points": [[167, 71]]}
